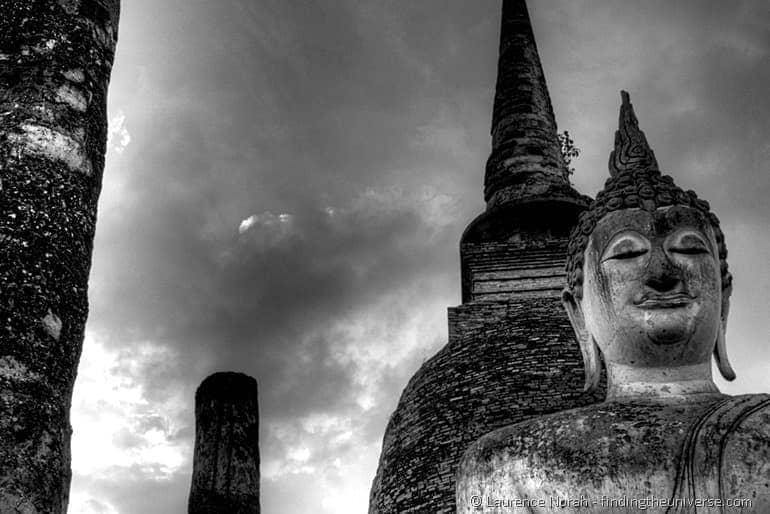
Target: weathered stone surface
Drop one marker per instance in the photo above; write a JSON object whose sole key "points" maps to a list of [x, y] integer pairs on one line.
{"points": [[650, 294], [226, 461], [600, 456], [55, 64]]}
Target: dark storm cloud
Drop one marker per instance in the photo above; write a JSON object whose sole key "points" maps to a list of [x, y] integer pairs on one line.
{"points": [[333, 220], [299, 174], [328, 81], [698, 75]]}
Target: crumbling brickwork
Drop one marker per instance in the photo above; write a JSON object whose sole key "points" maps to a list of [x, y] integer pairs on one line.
{"points": [[526, 157], [505, 362], [512, 353]]}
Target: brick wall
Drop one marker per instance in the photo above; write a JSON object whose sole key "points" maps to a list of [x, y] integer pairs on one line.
{"points": [[505, 361]]}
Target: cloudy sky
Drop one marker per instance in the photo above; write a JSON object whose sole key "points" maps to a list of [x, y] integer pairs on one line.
{"points": [[286, 186]]}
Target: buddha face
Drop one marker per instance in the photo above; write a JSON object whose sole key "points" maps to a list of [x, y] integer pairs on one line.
{"points": [[652, 292]]}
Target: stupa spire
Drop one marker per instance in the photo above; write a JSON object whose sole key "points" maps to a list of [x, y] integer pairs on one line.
{"points": [[526, 161]]}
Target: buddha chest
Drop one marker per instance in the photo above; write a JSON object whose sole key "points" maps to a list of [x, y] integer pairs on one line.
{"points": [[596, 458]]}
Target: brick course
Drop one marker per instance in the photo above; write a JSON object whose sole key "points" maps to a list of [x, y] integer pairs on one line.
{"points": [[505, 361]]}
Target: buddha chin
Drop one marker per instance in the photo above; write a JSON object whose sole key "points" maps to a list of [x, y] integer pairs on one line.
{"points": [[670, 325], [678, 328]]}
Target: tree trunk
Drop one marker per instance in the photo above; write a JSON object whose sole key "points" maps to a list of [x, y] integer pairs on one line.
{"points": [[55, 63]]}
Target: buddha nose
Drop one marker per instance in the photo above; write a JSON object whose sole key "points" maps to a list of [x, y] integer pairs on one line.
{"points": [[662, 274]]}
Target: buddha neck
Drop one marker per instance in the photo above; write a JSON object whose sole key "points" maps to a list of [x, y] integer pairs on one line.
{"points": [[684, 383]]}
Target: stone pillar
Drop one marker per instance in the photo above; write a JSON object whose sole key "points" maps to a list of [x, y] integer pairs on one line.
{"points": [[55, 64], [226, 462]]}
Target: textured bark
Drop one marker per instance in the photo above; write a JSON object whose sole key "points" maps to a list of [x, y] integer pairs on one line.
{"points": [[226, 461], [55, 63]]}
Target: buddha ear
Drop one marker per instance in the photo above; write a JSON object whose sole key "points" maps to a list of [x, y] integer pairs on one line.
{"points": [[720, 349], [588, 346]]}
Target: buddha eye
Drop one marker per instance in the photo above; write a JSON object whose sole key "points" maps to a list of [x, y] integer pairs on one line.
{"points": [[689, 244], [692, 250], [627, 254], [626, 246]]}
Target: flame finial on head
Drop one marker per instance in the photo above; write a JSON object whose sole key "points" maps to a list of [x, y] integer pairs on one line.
{"points": [[635, 182], [632, 152]]}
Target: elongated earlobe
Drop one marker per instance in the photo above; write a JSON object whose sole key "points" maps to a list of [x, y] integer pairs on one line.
{"points": [[588, 347], [593, 370], [720, 353], [720, 348]]}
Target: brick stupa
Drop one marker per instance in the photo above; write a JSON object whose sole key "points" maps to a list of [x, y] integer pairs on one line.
{"points": [[511, 353]]}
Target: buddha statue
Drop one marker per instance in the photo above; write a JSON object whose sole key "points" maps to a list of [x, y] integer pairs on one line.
{"points": [[648, 288]]}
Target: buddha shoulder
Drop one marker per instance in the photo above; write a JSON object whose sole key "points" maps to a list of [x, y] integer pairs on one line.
{"points": [[595, 448], [744, 450], [586, 441], [610, 437]]}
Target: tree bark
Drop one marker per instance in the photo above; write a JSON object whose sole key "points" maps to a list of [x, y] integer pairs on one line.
{"points": [[55, 62]]}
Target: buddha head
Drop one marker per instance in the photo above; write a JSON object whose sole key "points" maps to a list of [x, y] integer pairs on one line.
{"points": [[647, 278]]}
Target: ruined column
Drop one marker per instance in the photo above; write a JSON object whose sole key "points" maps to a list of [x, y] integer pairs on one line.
{"points": [[55, 64], [226, 461]]}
